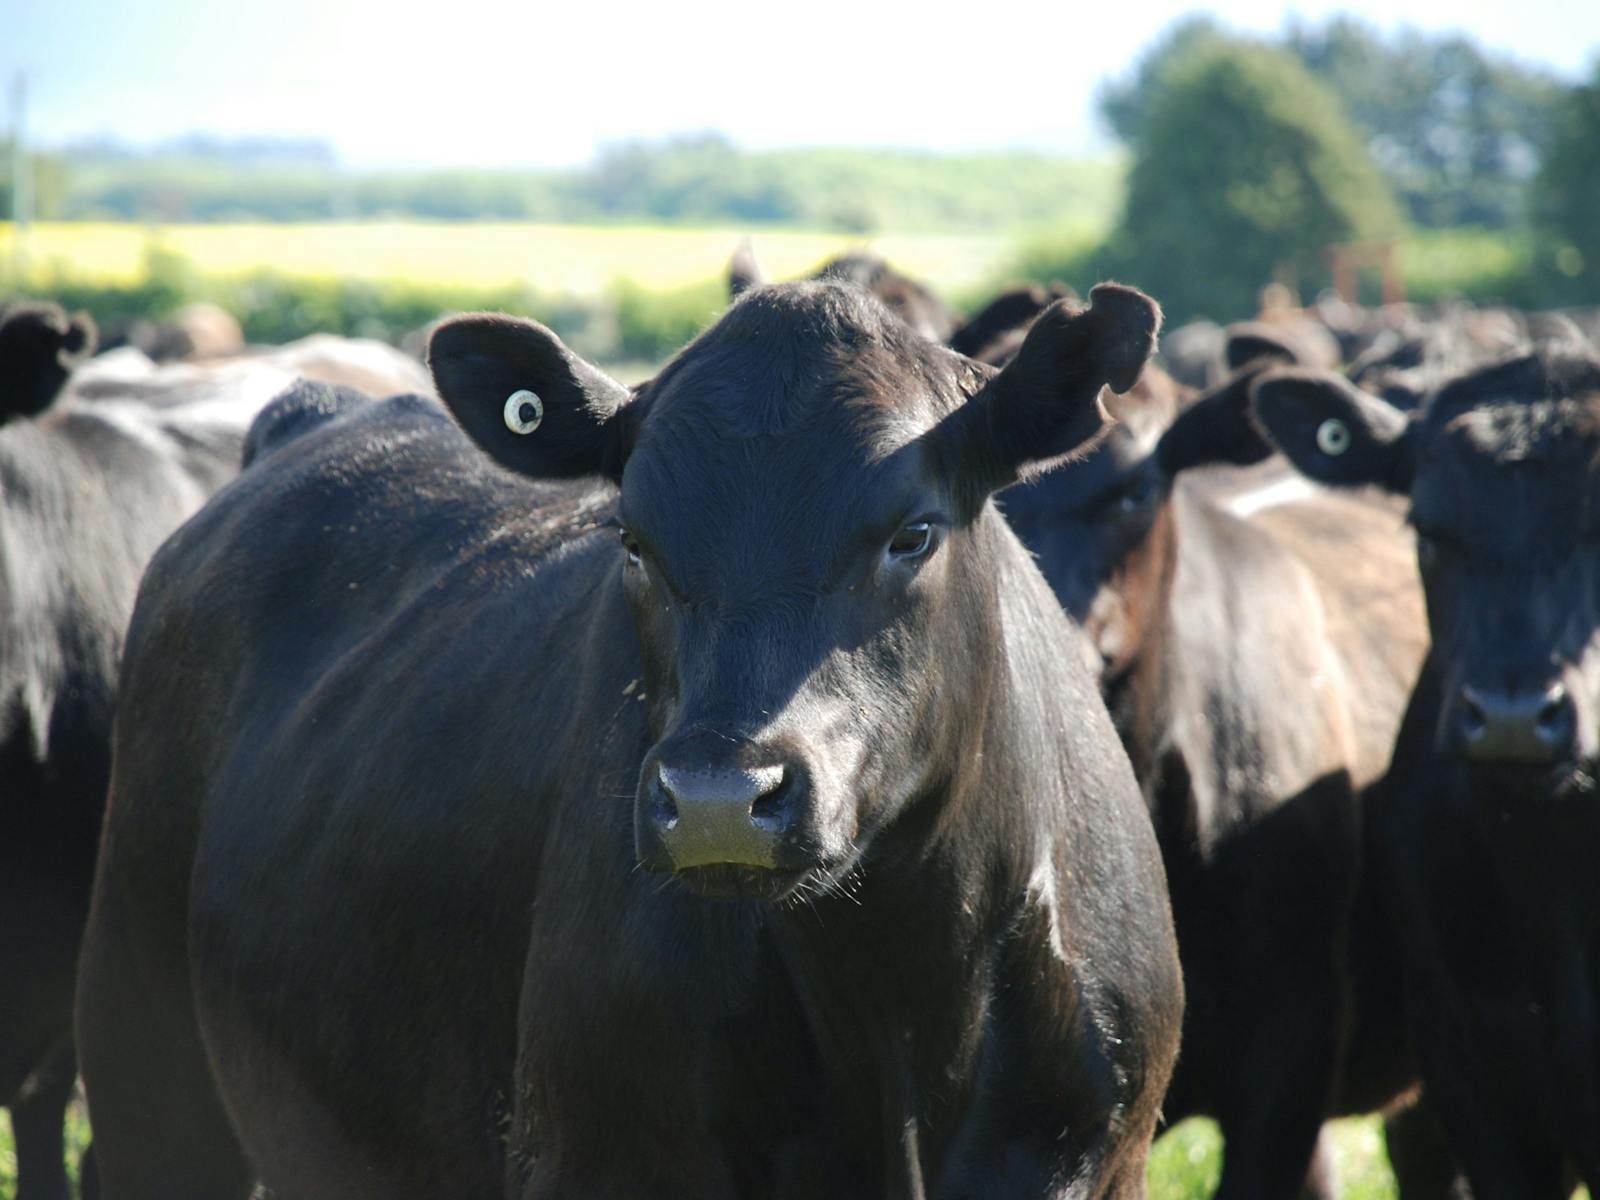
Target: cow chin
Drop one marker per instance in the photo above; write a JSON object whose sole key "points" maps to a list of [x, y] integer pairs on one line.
{"points": [[1535, 784], [736, 882]]}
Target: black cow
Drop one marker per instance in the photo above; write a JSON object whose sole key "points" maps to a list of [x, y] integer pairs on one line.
{"points": [[1256, 642], [994, 333], [1489, 823], [99, 461], [912, 301], [733, 821], [87, 492]]}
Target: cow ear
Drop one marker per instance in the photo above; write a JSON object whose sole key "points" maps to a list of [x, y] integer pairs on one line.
{"points": [[527, 400], [39, 347], [1215, 427], [744, 272], [1332, 431], [1250, 342], [1045, 403]]}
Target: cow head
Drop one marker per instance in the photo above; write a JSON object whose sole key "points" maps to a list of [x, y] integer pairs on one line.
{"points": [[807, 548], [39, 346], [1102, 532], [1502, 466]]}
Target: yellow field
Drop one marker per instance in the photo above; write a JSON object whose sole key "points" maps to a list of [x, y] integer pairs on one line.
{"points": [[577, 259]]}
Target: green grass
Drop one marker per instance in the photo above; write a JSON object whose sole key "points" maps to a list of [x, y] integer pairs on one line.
{"points": [[1186, 1162], [77, 1139]]}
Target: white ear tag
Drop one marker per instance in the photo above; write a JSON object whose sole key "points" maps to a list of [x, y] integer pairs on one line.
{"points": [[1333, 437], [524, 410]]}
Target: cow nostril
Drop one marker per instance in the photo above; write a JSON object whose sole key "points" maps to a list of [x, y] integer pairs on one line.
{"points": [[1474, 721], [663, 806], [1554, 719], [769, 810]]}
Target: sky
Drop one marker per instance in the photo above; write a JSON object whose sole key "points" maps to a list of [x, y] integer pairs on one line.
{"points": [[496, 84]]}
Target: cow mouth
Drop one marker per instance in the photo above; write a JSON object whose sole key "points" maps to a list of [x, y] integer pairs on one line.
{"points": [[1564, 779], [736, 882]]}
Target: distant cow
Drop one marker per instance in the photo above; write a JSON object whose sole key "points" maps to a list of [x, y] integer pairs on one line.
{"points": [[99, 462], [88, 492], [1489, 825], [1256, 640], [912, 301], [687, 791]]}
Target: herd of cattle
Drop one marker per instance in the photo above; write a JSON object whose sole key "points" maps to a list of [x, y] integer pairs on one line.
{"points": [[884, 755]]}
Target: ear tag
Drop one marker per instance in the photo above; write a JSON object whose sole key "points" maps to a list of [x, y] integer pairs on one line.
{"points": [[1333, 436], [523, 411]]}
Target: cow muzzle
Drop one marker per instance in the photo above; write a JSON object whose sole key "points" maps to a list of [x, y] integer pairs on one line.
{"points": [[1534, 725], [741, 806]]}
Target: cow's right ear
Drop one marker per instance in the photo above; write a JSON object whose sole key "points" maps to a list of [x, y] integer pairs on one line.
{"points": [[744, 271], [39, 346], [528, 401], [1334, 432]]}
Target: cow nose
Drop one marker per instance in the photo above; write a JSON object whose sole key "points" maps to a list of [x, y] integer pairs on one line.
{"points": [[1536, 724], [734, 815]]}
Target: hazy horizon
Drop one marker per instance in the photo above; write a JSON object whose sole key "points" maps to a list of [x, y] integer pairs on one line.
{"points": [[498, 87]]}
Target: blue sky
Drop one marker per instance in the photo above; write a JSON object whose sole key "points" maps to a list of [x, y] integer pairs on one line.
{"points": [[480, 82]]}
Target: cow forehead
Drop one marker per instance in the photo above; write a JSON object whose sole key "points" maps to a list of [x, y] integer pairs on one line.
{"points": [[1510, 430], [1521, 477], [771, 512], [818, 358]]}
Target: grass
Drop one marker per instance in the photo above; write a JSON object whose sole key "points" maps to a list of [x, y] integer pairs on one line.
{"points": [[1185, 1164], [77, 1139], [577, 260]]}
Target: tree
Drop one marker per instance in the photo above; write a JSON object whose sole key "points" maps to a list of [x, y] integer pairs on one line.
{"points": [[1245, 169], [1567, 194], [1458, 133]]}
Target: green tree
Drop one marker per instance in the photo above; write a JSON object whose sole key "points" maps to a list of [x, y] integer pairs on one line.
{"points": [[1567, 196], [1246, 169], [1458, 132]]}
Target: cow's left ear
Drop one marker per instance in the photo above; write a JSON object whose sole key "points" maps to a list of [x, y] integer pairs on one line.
{"points": [[1044, 405], [39, 347], [744, 270], [1334, 432], [528, 401]]}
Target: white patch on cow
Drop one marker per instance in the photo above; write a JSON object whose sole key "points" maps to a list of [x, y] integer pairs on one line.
{"points": [[1042, 893], [1282, 491]]}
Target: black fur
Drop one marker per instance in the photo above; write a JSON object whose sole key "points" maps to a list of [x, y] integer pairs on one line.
{"points": [[89, 491]]}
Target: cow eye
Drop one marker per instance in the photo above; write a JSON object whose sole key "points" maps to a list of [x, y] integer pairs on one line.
{"points": [[630, 547], [1139, 496], [912, 541]]}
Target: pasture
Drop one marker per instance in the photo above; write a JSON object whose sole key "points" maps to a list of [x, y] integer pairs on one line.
{"points": [[578, 260]]}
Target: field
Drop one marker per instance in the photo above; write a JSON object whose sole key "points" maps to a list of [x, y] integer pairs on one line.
{"points": [[578, 260]]}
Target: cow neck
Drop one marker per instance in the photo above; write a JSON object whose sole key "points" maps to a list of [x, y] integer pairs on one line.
{"points": [[1139, 692], [897, 976]]}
